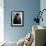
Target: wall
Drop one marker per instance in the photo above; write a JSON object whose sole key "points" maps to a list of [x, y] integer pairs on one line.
{"points": [[43, 6], [30, 7]]}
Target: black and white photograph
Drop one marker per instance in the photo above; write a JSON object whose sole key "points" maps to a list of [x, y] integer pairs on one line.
{"points": [[17, 18]]}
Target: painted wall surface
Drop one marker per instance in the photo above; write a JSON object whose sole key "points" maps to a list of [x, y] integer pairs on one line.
{"points": [[43, 6], [30, 7]]}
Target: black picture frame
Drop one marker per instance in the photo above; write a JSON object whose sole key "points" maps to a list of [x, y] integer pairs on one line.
{"points": [[17, 18]]}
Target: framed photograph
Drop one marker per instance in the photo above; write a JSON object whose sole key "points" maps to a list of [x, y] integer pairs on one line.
{"points": [[17, 18]]}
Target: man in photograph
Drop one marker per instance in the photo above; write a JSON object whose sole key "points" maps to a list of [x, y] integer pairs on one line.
{"points": [[17, 19]]}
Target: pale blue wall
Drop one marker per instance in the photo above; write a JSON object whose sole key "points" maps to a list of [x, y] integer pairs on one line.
{"points": [[30, 7]]}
